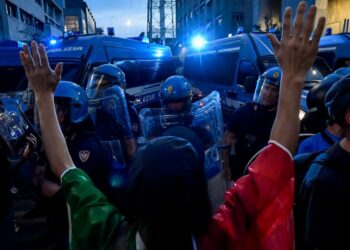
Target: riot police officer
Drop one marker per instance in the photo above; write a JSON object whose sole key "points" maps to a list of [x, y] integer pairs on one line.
{"points": [[315, 119], [318, 119], [248, 129], [71, 105], [113, 120], [176, 99], [176, 103]]}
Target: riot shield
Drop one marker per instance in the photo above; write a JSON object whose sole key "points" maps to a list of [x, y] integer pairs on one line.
{"points": [[109, 113], [205, 119], [14, 127]]}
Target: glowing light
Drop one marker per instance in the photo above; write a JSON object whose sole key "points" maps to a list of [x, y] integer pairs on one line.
{"points": [[198, 42], [53, 41], [158, 53], [229, 35]]}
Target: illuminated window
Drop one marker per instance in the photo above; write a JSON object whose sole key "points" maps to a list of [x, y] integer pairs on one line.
{"points": [[71, 23]]}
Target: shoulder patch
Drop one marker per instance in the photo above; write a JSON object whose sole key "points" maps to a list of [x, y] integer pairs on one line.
{"points": [[84, 155]]}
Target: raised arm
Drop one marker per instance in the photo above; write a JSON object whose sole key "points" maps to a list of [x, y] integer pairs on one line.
{"points": [[295, 54], [43, 80]]}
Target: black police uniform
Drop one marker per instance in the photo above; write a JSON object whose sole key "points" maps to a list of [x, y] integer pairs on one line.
{"points": [[88, 155], [325, 193], [251, 125]]}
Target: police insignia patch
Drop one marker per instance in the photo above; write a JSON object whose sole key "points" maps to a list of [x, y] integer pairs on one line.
{"points": [[84, 155], [170, 89], [276, 74]]}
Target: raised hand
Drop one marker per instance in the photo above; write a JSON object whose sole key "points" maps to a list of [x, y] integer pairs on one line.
{"points": [[41, 77], [296, 52]]}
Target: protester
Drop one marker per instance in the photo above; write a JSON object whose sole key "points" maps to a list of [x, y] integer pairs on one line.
{"points": [[326, 186]]}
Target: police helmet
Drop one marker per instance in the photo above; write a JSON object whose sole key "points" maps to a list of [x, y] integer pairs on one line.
{"points": [[272, 77], [316, 95], [73, 97], [337, 100], [104, 76], [176, 89], [343, 71]]}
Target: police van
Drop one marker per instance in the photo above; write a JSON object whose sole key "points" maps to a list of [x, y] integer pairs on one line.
{"points": [[232, 66], [145, 65], [335, 50]]}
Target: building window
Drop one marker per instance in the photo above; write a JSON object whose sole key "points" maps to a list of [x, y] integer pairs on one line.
{"points": [[11, 9], [71, 23], [38, 24], [26, 18], [238, 17], [50, 10], [38, 2]]}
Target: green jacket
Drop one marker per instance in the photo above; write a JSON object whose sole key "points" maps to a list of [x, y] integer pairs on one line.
{"points": [[94, 222]]}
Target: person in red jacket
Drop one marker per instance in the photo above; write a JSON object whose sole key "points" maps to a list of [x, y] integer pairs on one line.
{"points": [[257, 210]]}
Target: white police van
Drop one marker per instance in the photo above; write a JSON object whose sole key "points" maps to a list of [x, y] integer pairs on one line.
{"points": [[232, 66], [145, 65]]}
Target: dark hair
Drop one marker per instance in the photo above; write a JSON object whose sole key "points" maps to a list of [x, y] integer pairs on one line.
{"points": [[167, 196]]}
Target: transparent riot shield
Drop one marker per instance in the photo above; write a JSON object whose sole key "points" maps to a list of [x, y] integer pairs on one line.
{"points": [[14, 127], [109, 113], [108, 110], [205, 118]]}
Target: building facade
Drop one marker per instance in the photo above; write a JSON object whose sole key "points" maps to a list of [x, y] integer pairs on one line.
{"points": [[216, 19], [79, 18], [24, 20]]}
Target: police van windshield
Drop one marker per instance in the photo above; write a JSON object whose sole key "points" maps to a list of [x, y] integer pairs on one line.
{"points": [[12, 79]]}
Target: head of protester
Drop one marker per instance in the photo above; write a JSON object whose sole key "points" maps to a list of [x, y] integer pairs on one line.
{"points": [[71, 105], [176, 94], [169, 209], [337, 102], [267, 88]]}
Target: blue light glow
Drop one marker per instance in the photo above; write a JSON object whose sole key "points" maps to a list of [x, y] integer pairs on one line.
{"points": [[53, 41], [158, 53], [198, 42]]}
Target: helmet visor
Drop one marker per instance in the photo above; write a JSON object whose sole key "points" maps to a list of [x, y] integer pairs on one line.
{"points": [[266, 92], [96, 83]]}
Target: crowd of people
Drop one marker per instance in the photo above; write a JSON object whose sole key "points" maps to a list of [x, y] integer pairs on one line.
{"points": [[121, 195]]}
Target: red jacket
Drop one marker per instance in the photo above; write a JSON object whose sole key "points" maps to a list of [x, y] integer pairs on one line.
{"points": [[257, 210]]}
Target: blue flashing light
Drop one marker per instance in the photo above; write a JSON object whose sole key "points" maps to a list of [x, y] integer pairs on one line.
{"points": [[198, 42], [158, 53], [53, 41]]}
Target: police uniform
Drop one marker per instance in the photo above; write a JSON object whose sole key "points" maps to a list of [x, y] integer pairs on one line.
{"points": [[251, 126], [87, 154]]}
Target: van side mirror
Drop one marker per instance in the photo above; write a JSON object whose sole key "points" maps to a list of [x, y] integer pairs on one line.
{"points": [[250, 83]]}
